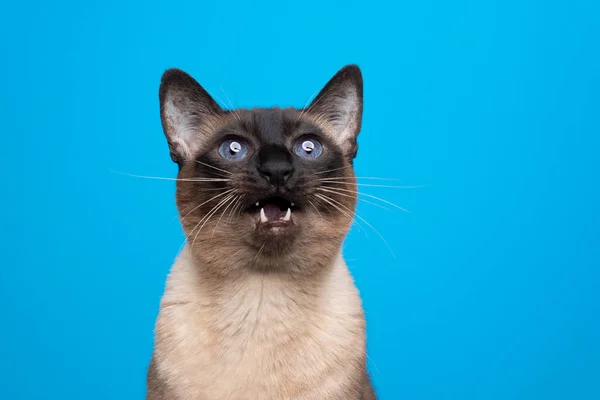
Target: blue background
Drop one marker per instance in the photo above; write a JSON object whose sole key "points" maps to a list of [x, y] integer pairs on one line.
{"points": [[494, 289]]}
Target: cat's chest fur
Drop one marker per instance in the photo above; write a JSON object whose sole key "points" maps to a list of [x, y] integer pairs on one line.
{"points": [[263, 337]]}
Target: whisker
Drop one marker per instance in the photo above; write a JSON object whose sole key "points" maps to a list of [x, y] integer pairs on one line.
{"points": [[199, 222], [305, 110], [212, 189], [374, 230], [208, 216], [358, 198], [378, 234], [332, 170], [258, 254], [182, 244], [239, 204], [204, 217], [324, 196], [302, 112], [212, 166], [233, 110], [162, 178], [317, 100], [318, 212], [342, 178], [327, 200], [223, 213], [222, 104], [205, 179], [241, 207], [372, 362], [371, 196], [207, 201], [187, 237], [382, 186]]}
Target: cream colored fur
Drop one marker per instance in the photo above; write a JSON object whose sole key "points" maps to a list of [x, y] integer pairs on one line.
{"points": [[260, 336]]}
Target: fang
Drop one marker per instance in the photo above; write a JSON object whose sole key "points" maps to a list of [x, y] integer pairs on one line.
{"points": [[263, 217], [288, 215]]}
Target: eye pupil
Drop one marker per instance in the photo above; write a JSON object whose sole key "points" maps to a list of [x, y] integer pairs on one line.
{"points": [[308, 146], [235, 147]]}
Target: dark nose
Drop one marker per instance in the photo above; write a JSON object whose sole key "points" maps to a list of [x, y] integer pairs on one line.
{"points": [[275, 165]]}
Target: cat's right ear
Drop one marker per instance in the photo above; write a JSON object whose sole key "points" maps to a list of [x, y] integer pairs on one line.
{"points": [[185, 110]]}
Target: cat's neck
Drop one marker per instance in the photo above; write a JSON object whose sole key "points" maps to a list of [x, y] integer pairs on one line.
{"points": [[260, 327], [257, 299], [190, 272]]}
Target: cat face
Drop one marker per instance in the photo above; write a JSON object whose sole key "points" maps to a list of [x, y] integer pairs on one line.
{"points": [[264, 188]]}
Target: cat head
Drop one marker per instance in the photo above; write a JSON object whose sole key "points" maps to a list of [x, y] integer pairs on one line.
{"points": [[264, 187]]}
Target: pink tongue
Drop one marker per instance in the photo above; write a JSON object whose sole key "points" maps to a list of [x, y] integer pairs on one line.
{"points": [[272, 211]]}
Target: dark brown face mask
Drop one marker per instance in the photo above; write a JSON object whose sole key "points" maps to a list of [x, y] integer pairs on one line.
{"points": [[273, 182]]}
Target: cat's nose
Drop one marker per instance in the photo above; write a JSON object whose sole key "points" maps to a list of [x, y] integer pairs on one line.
{"points": [[276, 174], [275, 165]]}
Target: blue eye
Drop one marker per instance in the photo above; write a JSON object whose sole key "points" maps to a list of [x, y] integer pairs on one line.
{"points": [[308, 148], [233, 149]]}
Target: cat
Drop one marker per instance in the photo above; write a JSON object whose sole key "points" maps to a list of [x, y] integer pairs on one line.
{"points": [[259, 304]]}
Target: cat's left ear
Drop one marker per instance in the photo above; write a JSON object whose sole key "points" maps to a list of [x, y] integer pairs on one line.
{"points": [[340, 106]]}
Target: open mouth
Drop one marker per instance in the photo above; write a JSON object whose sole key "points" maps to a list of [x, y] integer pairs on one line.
{"points": [[274, 211]]}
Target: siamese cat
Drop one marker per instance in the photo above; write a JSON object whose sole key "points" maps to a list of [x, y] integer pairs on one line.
{"points": [[259, 304]]}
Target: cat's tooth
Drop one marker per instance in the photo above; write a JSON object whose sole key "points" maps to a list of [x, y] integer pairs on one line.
{"points": [[263, 217], [288, 215]]}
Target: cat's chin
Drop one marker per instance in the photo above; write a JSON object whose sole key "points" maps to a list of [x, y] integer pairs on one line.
{"points": [[274, 229]]}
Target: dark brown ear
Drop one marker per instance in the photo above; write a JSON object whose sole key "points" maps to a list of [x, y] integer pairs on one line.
{"points": [[340, 104], [184, 108]]}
